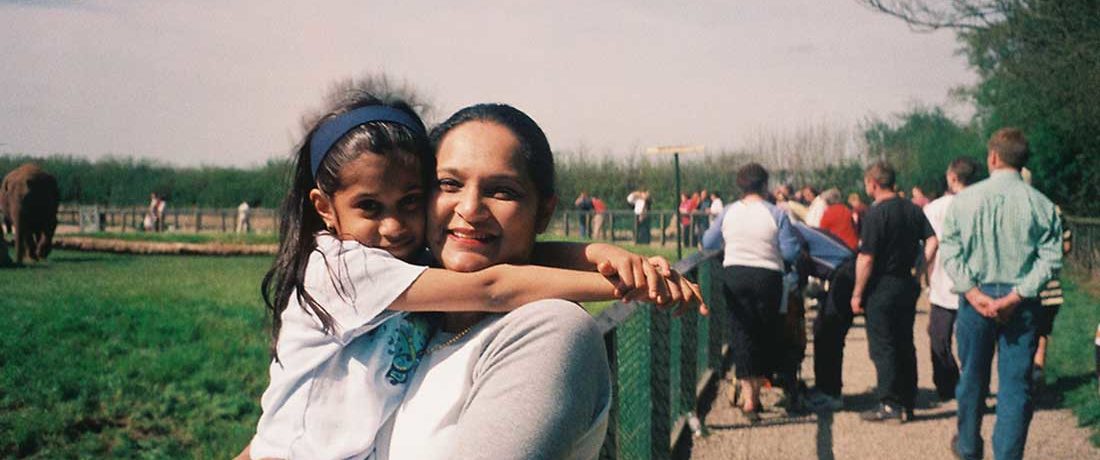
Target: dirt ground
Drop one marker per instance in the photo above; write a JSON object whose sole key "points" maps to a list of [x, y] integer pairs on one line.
{"points": [[842, 435]]}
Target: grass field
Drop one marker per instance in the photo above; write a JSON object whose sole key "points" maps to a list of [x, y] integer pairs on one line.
{"points": [[105, 355], [131, 356], [1071, 369]]}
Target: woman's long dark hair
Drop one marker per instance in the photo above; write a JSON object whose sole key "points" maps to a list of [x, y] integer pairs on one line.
{"points": [[299, 221]]}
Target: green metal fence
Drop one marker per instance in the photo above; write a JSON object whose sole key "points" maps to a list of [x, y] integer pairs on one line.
{"points": [[661, 365], [1085, 254]]}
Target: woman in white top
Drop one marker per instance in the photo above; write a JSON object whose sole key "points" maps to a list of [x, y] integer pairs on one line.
{"points": [[532, 383], [759, 243]]}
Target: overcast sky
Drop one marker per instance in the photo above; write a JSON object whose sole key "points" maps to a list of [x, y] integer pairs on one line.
{"points": [[193, 82]]}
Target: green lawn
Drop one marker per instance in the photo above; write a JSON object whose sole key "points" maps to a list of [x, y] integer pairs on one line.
{"points": [[106, 355], [1071, 361], [131, 356]]}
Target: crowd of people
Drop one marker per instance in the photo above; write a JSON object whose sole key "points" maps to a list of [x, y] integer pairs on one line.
{"points": [[989, 250]]}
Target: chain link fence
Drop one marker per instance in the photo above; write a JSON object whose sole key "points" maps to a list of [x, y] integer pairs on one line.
{"points": [[664, 368], [1085, 253]]}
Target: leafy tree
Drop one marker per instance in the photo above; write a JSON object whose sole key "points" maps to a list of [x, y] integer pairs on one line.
{"points": [[1039, 68], [921, 143]]}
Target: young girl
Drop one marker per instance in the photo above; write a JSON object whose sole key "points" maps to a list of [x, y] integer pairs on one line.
{"points": [[351, 264]]}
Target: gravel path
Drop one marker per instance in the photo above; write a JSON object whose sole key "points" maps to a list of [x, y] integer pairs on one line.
{"points": [[1053, 435]]}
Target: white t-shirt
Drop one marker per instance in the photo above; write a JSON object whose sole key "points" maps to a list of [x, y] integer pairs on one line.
{"points": [[939, 285], [716, 208], [639, 203], [330, 392], [751, 234], [423, 427]]}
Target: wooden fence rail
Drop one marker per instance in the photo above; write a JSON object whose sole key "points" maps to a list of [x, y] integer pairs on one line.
{"points": [[656, 227], [187, 219]]}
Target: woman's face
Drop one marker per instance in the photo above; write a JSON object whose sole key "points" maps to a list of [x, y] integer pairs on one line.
{"points": [[485, 210]]}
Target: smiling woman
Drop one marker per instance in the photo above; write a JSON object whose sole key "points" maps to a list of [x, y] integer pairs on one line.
{"points": [[487, 205], [533, 383]]}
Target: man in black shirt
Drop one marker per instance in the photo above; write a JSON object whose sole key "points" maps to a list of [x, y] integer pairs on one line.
{"points": [[886, 288]]}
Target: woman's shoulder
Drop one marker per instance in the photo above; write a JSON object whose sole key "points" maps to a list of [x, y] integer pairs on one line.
{"points": [[549, 320]]}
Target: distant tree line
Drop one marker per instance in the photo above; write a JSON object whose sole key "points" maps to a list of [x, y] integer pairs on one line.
{"points": [[128, 182], [920, 142]]}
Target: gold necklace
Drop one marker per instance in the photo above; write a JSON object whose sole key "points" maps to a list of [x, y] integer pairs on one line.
{"points": [[452, 340]]}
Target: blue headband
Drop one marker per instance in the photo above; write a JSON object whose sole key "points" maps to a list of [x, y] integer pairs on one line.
{"points": [[336, 127]]}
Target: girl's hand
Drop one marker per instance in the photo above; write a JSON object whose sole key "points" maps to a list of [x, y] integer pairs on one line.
{"points": [[689, 294], [637, 279], [681, 290], [631, 272], [663, 286]]}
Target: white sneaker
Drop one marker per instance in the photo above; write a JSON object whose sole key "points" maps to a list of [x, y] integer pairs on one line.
{"points": [[819, 401]]}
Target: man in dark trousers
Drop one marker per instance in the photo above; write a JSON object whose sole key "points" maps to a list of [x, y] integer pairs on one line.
{"points": [[962, 172], [891, 237]]}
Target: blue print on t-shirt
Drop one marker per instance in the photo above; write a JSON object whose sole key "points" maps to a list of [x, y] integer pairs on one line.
{"points": [[406, 345]]}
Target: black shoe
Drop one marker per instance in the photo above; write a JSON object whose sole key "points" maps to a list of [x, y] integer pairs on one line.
{"points": [[887, 413]]}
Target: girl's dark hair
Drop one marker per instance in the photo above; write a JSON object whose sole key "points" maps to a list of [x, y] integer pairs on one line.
{"points": [[299, 220], [533, 146]]}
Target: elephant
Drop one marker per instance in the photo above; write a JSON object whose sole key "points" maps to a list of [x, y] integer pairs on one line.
{"points": [[28, 201]]}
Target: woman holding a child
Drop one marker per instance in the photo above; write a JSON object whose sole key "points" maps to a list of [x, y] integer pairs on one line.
{"points": [[532, 383]]}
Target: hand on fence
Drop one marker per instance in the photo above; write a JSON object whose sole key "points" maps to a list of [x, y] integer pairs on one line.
{"points": [[692, 297], [631, 272], [660, 285], [636, 279]]}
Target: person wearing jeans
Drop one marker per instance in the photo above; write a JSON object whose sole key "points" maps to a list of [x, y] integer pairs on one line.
{"points": [[1002, 241], [1015, 340]]}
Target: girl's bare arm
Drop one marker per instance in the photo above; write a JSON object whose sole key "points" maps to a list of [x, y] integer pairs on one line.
{"points": [[501, 288]]}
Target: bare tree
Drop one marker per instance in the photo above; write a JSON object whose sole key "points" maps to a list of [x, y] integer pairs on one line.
{"points": [[928, 15], [809, 147]]}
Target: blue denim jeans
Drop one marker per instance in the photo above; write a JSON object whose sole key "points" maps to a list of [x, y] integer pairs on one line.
{"points": [[1015, 340]]}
